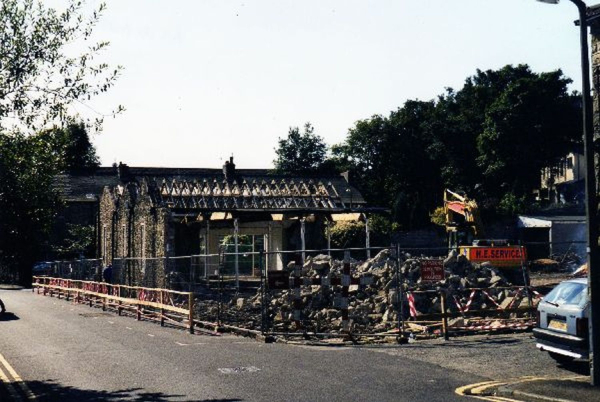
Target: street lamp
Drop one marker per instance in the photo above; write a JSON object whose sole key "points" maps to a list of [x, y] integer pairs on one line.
{"points": [[591, 206]]}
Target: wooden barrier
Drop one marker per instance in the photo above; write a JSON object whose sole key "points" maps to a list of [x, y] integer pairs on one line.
{"points": [[150, 302]]}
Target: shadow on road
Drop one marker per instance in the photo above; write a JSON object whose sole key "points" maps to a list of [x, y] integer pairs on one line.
{"points": [[51, 391], [577, 367], [452, 343], [8, 316]]}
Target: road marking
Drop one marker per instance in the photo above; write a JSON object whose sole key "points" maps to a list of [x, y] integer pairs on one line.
{"points": [[17, 379], [11, 390], [237, 370], [188, 344], [463, 389], [482, 388], [478, 390]]}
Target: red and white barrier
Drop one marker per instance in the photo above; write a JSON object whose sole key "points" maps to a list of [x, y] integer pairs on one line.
{"points": [[411, 304]]}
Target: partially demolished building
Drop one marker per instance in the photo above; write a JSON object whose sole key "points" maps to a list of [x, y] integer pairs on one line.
{"points": [[146, 213]]}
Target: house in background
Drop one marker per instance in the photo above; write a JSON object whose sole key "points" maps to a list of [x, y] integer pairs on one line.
{"points": [[564, 181]]}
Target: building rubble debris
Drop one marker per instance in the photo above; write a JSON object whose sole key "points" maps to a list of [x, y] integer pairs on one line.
{"points": [[372, 308]]}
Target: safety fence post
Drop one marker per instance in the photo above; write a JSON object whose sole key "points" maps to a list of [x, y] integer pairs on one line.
{"points": [[119, 303], [262, 293], [297, 291], [345, 292], [444, 315], [191, 314], [162, 310], [399, 293]]}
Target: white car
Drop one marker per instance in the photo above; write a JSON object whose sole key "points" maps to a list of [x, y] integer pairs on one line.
{"points": [[562, 329]]}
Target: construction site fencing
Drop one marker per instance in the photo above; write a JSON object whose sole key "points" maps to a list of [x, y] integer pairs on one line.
{"points": [[158, 304], [349, 293]]}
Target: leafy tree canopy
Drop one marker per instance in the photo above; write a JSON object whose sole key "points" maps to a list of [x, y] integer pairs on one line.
{"points": [[42, 78], [490, 139], [39, 80], [301, 153]]}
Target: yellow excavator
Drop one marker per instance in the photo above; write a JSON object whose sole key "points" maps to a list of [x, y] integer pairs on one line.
{"points": [[465, 231]]}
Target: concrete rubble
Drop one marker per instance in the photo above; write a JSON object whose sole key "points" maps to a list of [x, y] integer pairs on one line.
{"points": [[372, 308]]}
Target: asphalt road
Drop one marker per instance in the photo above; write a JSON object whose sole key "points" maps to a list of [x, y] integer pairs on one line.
{"points": [[68, 352]]}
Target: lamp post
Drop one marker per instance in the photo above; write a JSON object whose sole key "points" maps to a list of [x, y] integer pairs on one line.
{"points": [[591, 206]]}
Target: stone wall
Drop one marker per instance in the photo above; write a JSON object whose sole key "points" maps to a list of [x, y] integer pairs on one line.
{"points": [[132, 228]]}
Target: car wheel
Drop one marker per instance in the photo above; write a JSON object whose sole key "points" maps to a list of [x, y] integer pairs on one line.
{"points": [[561, 359]]}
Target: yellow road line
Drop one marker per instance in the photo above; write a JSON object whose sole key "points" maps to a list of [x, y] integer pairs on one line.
{"points": [[479, 390], [476, 390], [461, 390], [11, 390], [30, 395]]}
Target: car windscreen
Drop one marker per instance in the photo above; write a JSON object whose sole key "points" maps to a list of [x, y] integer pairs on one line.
{"points": [[570, 293]]}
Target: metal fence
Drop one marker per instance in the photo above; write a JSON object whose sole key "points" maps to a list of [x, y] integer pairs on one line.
{"points": [[375, 292]]}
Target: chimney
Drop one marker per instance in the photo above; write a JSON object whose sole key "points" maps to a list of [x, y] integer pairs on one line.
{"points": [[229, 169], [123, 171]]}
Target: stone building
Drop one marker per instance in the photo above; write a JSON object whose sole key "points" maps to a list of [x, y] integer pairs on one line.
{"points": [[149, 214]]}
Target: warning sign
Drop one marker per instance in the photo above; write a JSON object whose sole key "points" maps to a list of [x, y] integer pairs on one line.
{"points": [[510, 256], [432, 270]]}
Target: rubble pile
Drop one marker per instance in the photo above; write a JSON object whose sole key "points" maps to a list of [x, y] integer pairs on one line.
{"points": [[371, 308]]}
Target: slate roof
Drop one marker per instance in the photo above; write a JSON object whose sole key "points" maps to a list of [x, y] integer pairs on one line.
{"points": [[201, 189]]}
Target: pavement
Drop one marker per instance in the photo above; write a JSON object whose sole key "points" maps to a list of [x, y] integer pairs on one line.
{"points": [[576, 388]]}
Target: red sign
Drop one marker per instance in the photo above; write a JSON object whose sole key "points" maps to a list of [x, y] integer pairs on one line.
{"points": [[509, 256], [432, 270]]}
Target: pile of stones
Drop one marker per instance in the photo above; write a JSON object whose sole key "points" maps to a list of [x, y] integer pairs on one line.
{"points": [[372, 308]]}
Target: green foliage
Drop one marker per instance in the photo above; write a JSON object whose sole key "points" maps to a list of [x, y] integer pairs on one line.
{"points": [[511, 205], [438, 216], [79, 241], [242, 240], [77, 152], [301, 153], [27, 202], [489, 139], [390, 160], [39, 80], [530, 124], [347, 234], [353, 233]]}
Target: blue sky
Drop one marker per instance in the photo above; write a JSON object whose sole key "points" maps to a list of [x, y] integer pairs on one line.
{"points": [[207, 79]]}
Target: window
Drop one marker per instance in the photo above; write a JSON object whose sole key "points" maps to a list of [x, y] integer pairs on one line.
{"points": [[568, 293], [104, 245], [124, 240], [248, 245]]}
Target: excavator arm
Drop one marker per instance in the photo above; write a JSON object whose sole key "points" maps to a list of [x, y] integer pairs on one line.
{"points": [[462, 213]]}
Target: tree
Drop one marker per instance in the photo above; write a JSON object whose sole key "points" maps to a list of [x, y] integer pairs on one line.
{"points": [[530, 124], [39, 81], [489, 139], [390, 160], [28, 165], [495, 134], [301, 153], [78, 154]]}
